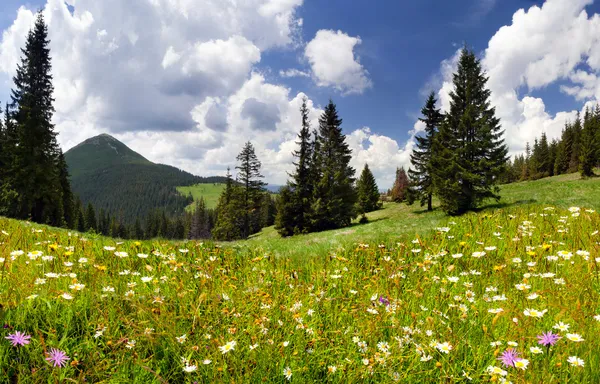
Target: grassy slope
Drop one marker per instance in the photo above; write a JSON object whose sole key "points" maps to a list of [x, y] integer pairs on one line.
{"points": [[399, 221], [316, 305], [210, 193]]}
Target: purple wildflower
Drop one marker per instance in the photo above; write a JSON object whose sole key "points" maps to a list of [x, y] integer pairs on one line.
{"points": [[548, 339], [509, 357], [57, 357], [384, 301], [18, 339]]}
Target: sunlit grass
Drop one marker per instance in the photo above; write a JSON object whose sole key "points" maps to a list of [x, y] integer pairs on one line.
{"points": [[209, 192], [375, 312]]}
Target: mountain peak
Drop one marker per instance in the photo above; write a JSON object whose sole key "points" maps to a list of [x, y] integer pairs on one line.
{"points": [[100, 152]]}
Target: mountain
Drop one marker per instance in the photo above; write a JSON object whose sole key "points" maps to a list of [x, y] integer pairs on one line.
{"points": [[113, 177]]}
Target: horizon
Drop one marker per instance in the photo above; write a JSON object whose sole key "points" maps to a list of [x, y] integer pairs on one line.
{"points": [[187, 89]]}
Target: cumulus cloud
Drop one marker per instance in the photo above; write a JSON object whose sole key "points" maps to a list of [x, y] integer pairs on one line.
{"points": [[179, 83], [558, 41], [334, 63]]}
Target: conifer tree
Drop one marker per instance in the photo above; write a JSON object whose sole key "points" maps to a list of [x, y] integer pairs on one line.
{"points": [[231, 220], [588, 148], [553, 150], [90, 218], [576, 130], [420, 173], [334, 195], [563, 156], [526, 166], [65, 190], [302, 183], [286, 212], [401, 186], [35, 176], [81, 226], [294, 205], [138, 232], [543, 158], [533, 161], [250, 178], [469, 152], [368, 192]]}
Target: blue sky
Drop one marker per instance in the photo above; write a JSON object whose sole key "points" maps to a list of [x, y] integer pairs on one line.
{"points": [[229, 72]]}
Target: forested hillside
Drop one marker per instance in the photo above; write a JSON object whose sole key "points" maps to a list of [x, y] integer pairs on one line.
{"points": [[116, 179]]}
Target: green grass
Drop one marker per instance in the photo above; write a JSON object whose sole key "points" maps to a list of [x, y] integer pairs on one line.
{"points": [[371, 303], [210, 193], [399, 221]]}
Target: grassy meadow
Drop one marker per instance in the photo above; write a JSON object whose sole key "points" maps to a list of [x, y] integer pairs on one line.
{"points": [[210, 193], [410, 297]]}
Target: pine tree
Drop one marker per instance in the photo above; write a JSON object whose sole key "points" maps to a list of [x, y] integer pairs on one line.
{"points": [[587, 157], [230, 221], [401, 186], [250, 177], [65, 189], [302, 184], [420, 173], [543, 158], [469, 152], [526, 166], [576, 137], [533, 161], [90, 218], [138, 232], [286, 213], [334, 197], [35, 176], [81, 226], [565, 149], [368, 192], [294, 206], [553, 150]]}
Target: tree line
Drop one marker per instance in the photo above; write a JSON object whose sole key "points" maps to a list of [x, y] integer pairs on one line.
{"points": [[577, 150], [460, 158]]}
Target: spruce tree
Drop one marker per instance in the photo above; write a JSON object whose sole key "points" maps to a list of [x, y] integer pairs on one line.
{"points": [[230, 221], [368, 192], [90, 218], [565, 149], [295, 202], [334, 195], [527, 159], [302, 183], [469, 151], [587, 156], [543, 159], [81, 226], [35, 175], [421, 173], [286, 213], [576, 137], [249, 177], [553, 150], [65, 190], [533, 161]]}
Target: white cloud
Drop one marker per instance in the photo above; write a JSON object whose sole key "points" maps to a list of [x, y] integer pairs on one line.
{"points": [[382, 153], [293, 72], [334, 64], [543, 45]]}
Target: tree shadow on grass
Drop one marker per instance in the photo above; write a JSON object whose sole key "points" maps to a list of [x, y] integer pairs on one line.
{"points": [[502, 205]]}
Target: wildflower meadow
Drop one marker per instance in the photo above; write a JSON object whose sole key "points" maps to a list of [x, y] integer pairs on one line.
{"points": [[503, 296]]}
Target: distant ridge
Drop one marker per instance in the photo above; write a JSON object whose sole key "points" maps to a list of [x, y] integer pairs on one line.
{"points": [[120, 181]]}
